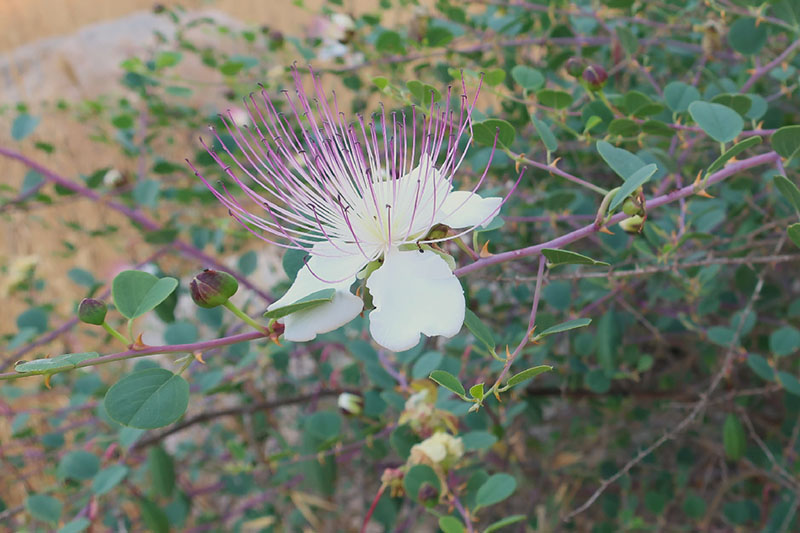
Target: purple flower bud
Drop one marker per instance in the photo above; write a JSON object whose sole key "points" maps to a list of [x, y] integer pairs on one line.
{"points": [[574, 66], [212, 288], [595, 76], [91, 311]]}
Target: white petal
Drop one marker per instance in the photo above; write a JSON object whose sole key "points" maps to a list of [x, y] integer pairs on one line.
{"points": [[464, 209], [345, 306], [414, 293]]}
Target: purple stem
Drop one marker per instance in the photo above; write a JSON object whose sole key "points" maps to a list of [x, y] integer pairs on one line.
{"points": [[152, 350], [761, 71], [683, 192], [133, 214]]}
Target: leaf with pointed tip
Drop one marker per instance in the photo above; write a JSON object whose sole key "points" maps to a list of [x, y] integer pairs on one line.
{"points": [[621, 161], [54, 364], [307, 302], [732, 152], [639, 178], [448, 381], [527, 374], [789, 191], [565, 326]]}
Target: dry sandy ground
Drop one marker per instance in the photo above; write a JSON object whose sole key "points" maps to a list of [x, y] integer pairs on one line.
{"points": [[72, 49]]}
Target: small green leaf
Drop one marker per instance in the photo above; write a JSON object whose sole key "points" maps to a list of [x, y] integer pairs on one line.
{"points": [[761, 367], [738, 102], [639, 178], [624, 127], [108, 478], [307, 302], [732, 152], [553, 98], [23, 126], [78, 465], [621, 161], [494, 77], [480, 330], [679, 96], [565, 326], [734, 441], [391, 42], [786, 141], [529, 78], [486, 131], [43, 507], [789, 191], [527, 374], [513, 519], [478, 440], [747, 36], [451, 524], [54, 364], [476, 391], [148, 399], [720, 122], [162, 471], [495, 489], [784, 341], [657, 127], [545, 134], [136, 292], [794, 233], [565, 257], [789, 382], [448, 381]]}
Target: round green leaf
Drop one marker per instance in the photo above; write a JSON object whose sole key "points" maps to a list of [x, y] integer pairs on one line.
{"points": [[721, 123], [43, 507], [427, 363], [679, 95], [553, 98], [624, 127], [786, 141], [486, 131], [416, 476], [79, 465], [738, 102], [761, 367], [784, 341], [496, 489], [136, 292], [451, 524], [529, 78], [789, 382], [108, 478], [746, 36], [148, 399]]}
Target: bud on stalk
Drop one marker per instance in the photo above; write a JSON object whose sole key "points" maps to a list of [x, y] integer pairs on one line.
{"points": [[212, 288], [595, 77], [91, 311]]}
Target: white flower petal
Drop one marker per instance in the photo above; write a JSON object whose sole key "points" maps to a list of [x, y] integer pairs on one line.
{"points": [[414, 293], [345, 306], [464, 209]]}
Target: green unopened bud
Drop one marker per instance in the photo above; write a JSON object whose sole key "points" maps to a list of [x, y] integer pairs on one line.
{"points": [[212, 288], [633, 224], [350, 404], [91, 311], [574, 67], [631, 207], [595, 77]]}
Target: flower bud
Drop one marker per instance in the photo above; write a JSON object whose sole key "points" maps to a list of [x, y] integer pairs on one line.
{"points": [[350, 404], [595, 77], [91, 311], [631, 207], [574, 66], [212, 288], [633, 224]]}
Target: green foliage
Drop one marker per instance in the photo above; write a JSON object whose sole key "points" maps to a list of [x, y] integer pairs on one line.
{"points": [[136, 292], [148, 399]]}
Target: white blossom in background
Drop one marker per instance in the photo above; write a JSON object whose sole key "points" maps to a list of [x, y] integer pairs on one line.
{"points": [[361, 198]]}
